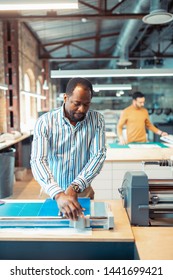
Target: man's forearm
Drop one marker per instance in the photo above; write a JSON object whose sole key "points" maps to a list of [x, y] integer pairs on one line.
{"points": [[91, 170]]}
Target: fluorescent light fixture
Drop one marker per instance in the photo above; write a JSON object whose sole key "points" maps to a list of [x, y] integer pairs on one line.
{"points": [[13, 5], [97, 99], [33, 94], [154, 72], [123, 62], [98, 87], [4, 86]]}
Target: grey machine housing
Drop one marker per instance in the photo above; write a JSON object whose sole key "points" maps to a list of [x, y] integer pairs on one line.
{"points": [[135, 195]]}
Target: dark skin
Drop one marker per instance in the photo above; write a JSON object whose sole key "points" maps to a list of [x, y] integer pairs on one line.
{"points": [[75, 108]]}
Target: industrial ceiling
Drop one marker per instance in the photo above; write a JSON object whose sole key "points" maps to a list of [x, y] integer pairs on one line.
{"points": [[101, 34]]}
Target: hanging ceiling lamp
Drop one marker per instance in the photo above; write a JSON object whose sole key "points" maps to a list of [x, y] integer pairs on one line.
{"points": [[158, 13]]}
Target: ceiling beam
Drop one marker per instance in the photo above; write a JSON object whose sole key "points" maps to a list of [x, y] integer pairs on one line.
{"points": [[52, 16], [69, 41], [102, 58]]}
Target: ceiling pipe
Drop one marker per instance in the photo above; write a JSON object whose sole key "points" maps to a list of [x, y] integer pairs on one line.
{"points": [[158, 4], [129, 31]]}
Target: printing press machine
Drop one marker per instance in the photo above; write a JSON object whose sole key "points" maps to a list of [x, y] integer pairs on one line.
{"points": [[148, 202]]}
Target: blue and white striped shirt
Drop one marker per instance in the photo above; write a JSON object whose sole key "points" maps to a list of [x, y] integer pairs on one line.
{"points": [[63, 154]]}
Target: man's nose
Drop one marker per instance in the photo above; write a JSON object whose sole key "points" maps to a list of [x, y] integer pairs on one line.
{"points": [[82, 109]]}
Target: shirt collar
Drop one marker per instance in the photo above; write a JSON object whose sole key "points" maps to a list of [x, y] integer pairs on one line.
{"points": [[62, 115], [65, 120]]}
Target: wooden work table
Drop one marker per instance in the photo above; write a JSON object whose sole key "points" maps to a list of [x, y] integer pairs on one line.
{"points": [[142, 153], [122, 242], [117, 243], [9, 143], [154, 243], [22, 146], [121, 232]]}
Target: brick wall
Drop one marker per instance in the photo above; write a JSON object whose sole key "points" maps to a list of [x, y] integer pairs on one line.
{"points": [[28, 63], [3, 122], [28, 57]]}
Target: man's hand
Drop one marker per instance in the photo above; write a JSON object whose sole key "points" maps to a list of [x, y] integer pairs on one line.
{"points": [[68, 204], [122, 140], [164, 133]]}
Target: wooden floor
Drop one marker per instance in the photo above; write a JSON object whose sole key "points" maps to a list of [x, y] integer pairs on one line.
{"points": [[28, 188]]}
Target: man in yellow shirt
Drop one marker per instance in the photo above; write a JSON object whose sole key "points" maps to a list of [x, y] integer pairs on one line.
{"points": [[136, 119]]}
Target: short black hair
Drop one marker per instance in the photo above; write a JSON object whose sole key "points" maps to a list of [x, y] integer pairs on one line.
{"points": [[137, 94], [72, 83]]}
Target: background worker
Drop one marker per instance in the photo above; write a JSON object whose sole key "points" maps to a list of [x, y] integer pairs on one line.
{"points": [[68, 148], [136, 119]]}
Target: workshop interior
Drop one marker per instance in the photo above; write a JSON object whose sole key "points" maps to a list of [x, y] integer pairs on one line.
{"points": [[121, 47]]}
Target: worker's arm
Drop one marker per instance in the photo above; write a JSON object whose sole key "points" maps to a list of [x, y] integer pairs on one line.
{"points": [[39, 158], [122, 121], [153, 128]]}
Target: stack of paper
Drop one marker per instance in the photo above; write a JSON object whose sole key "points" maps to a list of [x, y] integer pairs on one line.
{"points": [[168, 139]]}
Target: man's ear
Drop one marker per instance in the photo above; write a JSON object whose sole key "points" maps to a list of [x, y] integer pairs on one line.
{"points": [[65, 97]]}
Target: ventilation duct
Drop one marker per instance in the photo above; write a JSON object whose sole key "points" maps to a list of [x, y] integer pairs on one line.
{"points": [[158, 13], [124, 59], [128, 33]]}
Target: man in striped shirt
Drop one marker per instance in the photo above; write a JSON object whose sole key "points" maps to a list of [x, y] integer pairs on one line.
{"points": [[68, 148]]}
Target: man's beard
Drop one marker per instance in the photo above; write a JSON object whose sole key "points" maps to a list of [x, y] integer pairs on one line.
{"points": [[79, 117]]}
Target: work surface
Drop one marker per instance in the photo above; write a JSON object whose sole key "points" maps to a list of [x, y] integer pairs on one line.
{"points": [[9, 143], [138, 152], [121, 232], [117, 243], [147, 145], [155, 243]]}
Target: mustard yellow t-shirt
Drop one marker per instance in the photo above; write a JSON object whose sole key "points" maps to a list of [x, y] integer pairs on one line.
{"points": [[136, 121]]}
